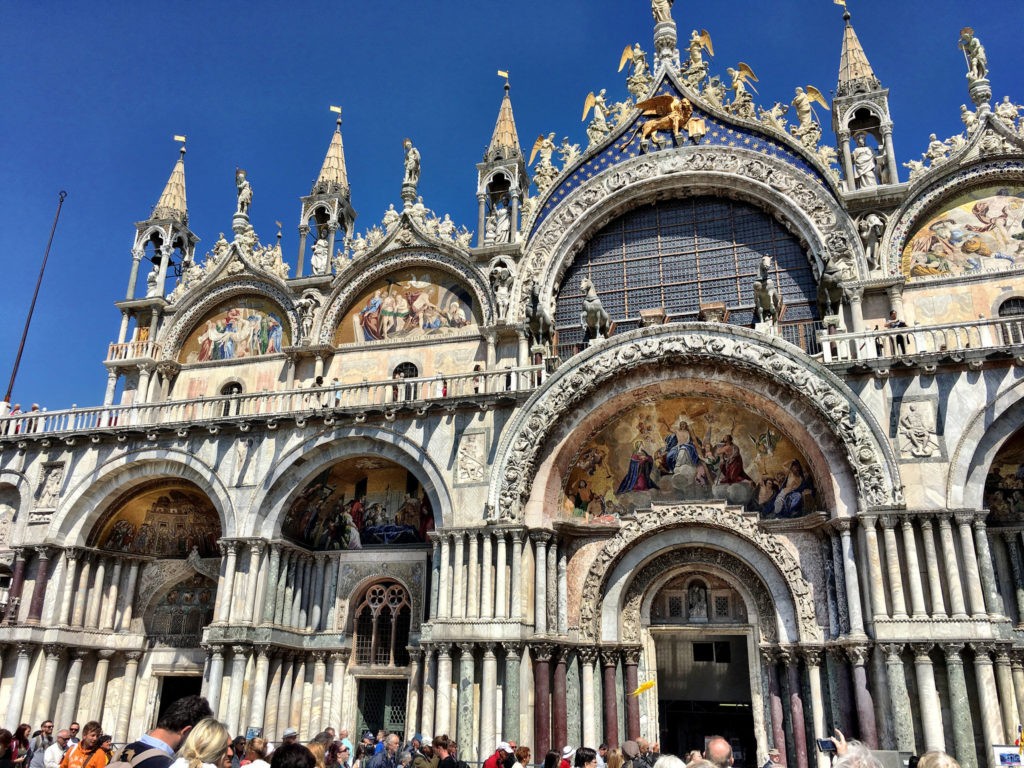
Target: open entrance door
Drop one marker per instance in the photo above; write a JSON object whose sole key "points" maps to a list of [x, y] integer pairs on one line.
{"points": [[704, 691], [174, 687]]}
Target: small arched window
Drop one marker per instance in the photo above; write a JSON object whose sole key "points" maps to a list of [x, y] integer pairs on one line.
{"points": [[382, 626], [232, 388], [407, 391], [1013, 310]]}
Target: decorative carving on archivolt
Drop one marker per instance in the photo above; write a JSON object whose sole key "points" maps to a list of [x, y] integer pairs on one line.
{"points": [[409, 574], [557, 237], [697, 556], [346, 293], [870, 458], [710, 516]]}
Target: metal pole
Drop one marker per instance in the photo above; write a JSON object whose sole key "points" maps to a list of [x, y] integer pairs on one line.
{"points": [[35, 295]]}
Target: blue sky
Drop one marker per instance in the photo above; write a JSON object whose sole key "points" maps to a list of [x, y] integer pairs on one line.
{"points": [[93, 92]]}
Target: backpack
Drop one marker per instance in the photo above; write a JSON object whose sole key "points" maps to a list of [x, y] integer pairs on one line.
{"points": [[129, 758]]}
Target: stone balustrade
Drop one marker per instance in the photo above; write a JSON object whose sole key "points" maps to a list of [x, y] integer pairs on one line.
{"points": [[134, 350], [387, 394], [948, 339]]}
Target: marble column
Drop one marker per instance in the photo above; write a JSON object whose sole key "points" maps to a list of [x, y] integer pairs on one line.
{"points": [[443, 697], [339, 665], [216, 680], [562, 606], [971, 573], [993, 599], [588, 655], [110, 601], [252, 581], [769, 657], [501, 577], [609, 662], [630, 682], [67, 592], [283, 598], [542, 653], [124, 712], [474, 600], [877, 588], [444, 605], [435, 578], [812, 661], [273, 702], [959, 706], [16, 588], [488, 702], [892, 564], [298, 697], [1007, 699], [487, 583], [459, 574], [81, 597], [300, 616], [94, 598], [99, 683], [1017, 671], [317, 721], [35, 608], [858, 655], [239, 659], [516, 585], [270, 598], [931, 564], [466, 710], [229, 550], [124, 623], [991, 716], [540, 586], [559, 700], [796, 707], [330, 603], [316, 609], [284, 704], [257, 714], [510, 698], [899, 698], [429, 690], [952, 569], [412, 710], [44, 694], [853, 598], [73, 682], [1013, 555], [917, 606], [928, 697]]}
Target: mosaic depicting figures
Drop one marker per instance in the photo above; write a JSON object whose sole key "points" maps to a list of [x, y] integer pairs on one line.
{"points": [[676, 449], [360, 502], [163, 521], [980, 230], [408, 305], [237, 329], [1004, 486]]}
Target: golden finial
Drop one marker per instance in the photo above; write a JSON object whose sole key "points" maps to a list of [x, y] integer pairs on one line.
{"points": [[337, 111], [503, 73], [182, 140]]}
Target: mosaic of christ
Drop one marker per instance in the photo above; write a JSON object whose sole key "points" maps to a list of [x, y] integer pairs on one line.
{"points": [[978, 231], [1004, 485], [407, 305], [687, 449]]}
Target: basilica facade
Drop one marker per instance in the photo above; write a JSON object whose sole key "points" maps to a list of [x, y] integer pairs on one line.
{"points": [[710, 427]]}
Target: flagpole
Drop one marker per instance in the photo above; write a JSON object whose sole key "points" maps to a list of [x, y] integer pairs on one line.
{"points": [[35, 295]]}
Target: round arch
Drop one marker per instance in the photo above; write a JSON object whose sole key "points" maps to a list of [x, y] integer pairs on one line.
{"points": [[189, 315], [838, 413], [19, 485], [84, 503], [804, 206], [319, 452], [448, 260], [985, 434], [619, 576]]}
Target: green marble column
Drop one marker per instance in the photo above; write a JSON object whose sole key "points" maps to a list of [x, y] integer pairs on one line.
{"points": [[510, 704]]}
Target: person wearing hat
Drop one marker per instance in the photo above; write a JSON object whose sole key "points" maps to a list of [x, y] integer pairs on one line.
{"points": [[567, 755], [290, 736], [497, 760], [631, 752], [774, 759]]}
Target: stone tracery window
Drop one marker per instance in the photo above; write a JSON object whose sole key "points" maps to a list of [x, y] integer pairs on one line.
{"points": [[680, 254], [382, 626], [180, 615]]}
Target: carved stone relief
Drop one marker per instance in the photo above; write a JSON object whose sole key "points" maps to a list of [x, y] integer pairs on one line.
{"points": [[48, 491], [471, 459], [917, 429]]}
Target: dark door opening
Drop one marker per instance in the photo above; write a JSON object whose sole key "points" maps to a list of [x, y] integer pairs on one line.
{"points": [[174, 687], [382, 706], [685, 725]]}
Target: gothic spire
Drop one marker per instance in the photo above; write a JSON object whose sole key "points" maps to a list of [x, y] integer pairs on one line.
{"points": [[333, 175], [505, 141], [854, 67], [171, 204]]}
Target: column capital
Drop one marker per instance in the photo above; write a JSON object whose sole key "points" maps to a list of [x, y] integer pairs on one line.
{"points": [[43, 551], [25, 649], [213, 650], [488, 649], [319, 657], [609, 656], [926, 522], [239, 649], [257, 546], [868, 522], [1017, 657], [952, 651], [341, 655], [21, 553], [53, 650], [631, 654], [964, 517], [542, 651], [888, 521], [944, 523], [922, 651], [133, 657], [857, 654], [907, 523], [842, 524], [541, 537], [467, 647], [787, 655], [588, 654], [982, 651], [893, 652], [513, 650], [79, 653], [444, 649], [812, 655], [769, 653], [263, 650], [1002, 655], [415, 654], [228, 546], [854, 293]]}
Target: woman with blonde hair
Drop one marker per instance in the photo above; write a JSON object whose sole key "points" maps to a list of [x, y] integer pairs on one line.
{"points": [[319, 753], [208, 745], [614, 758]]}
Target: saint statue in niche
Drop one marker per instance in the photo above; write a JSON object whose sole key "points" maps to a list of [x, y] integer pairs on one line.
{"points": [[697, 601]]}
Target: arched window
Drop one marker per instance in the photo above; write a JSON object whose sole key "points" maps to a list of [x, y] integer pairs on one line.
{"points": [[1013, 308], [406, 391], [382, 626], [230, 389]]}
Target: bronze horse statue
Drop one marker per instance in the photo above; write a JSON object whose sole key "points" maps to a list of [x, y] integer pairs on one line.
{"points": [[539, 322], [594, 318]]}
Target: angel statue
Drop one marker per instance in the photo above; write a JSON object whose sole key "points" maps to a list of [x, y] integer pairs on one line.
{"points": [[244, 191], [412, 163], [696, 68], [664, 112], [742, 102], [662, 10], [598, 127], [807, 128], [977, 61], [639, 82], [545, 172]]}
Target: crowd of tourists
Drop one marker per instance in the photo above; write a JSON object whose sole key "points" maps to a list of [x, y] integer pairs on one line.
{"points": [[188, 736]]}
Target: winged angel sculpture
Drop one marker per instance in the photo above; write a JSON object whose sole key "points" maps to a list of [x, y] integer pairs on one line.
{"points": [[665, 112], [696, 68], [742, 102], [808, 130]]}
